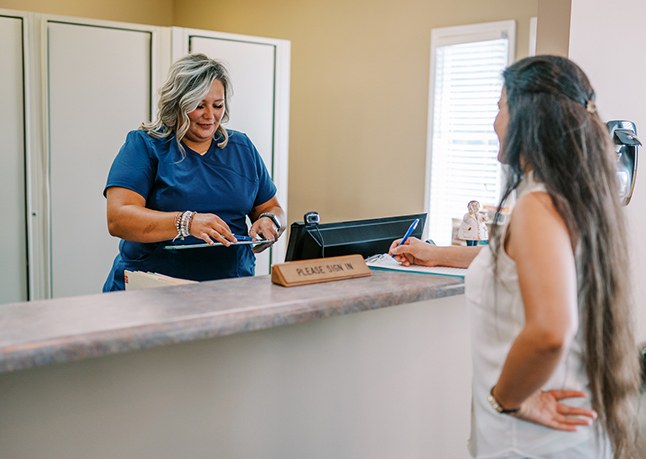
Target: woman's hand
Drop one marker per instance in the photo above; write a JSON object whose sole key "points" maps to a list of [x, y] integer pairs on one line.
{"points": [[544, 408], [211, 228], [416, 252], [264, 228], [413, 252]]}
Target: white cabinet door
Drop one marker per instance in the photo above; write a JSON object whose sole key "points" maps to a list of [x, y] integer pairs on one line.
{"points": [[99, 88], [13, 230], [251, 67], [258, 108]]}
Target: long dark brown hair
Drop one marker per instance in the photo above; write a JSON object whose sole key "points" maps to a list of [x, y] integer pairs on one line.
{"points": [[556, 132]]}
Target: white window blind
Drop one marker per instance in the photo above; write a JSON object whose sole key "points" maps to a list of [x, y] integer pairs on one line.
{"points": [[465, 87]]}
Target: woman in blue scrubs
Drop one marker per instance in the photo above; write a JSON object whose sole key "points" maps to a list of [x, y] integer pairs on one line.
{"points": [[185, 179]]}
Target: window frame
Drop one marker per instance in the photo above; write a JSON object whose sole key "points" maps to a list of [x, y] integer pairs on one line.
{"points": [[446, 36]]}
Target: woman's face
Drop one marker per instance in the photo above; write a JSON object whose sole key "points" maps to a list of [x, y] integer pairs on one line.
{"points": [[205, 119], [501, 122]]}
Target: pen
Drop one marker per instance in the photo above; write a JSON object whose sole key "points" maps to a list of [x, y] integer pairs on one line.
{"points": [[243, 238], [410, 230]]}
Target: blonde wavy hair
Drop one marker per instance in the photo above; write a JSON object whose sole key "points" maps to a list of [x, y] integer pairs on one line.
{"points": [[189, 81]]}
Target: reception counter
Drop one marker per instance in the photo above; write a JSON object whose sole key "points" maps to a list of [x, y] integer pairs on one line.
{"points": [[370, 367]]}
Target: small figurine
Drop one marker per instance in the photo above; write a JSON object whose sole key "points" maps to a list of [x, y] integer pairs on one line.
{"points": [[473, 228]]}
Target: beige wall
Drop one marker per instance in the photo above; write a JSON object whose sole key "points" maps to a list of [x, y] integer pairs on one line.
{"points": [[553, 27], [359, 91], [154, 12]]}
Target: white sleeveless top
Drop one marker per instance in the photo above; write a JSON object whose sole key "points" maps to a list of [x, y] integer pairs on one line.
{"points": [[496, 318]]}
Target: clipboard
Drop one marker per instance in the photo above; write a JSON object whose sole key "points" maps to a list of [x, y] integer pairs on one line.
{"points": [[215, 244]]}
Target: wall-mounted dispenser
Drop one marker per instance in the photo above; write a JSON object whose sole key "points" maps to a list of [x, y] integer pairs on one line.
{"points": [[624, 135]]}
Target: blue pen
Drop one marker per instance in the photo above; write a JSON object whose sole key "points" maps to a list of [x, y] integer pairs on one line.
{"points": [[243, 238], [410, 230]]}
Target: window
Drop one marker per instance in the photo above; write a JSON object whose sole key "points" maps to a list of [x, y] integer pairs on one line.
{"points": [[465, 84]]}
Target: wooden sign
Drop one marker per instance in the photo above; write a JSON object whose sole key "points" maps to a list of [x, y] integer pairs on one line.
{"points": [[305, 272]]}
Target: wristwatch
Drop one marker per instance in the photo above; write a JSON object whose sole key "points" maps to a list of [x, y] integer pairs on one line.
{"points": [[498, 407], [272, 217]]}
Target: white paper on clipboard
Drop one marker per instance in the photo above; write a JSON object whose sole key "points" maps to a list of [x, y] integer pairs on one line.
{"points": [[385, 261]]}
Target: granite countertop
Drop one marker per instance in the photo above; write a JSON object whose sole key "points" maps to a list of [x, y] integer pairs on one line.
{"points": [[38, 333]]}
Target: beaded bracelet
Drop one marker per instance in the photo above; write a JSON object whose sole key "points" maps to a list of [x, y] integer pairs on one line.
{"points": [[188, 224], [187, 219], [178, 227], [183, 224]]}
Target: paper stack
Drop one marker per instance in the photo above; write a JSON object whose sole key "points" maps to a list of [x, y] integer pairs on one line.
{"points": [[140, 279]]}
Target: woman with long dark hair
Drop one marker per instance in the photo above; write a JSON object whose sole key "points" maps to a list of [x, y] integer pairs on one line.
{"points": [[555, 366]]}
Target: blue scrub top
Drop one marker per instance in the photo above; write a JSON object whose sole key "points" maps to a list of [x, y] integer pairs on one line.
{"points": [[228, 182]]}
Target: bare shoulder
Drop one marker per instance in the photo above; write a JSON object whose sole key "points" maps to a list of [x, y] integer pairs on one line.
{"points": [[535, 221], [535, 206]]}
